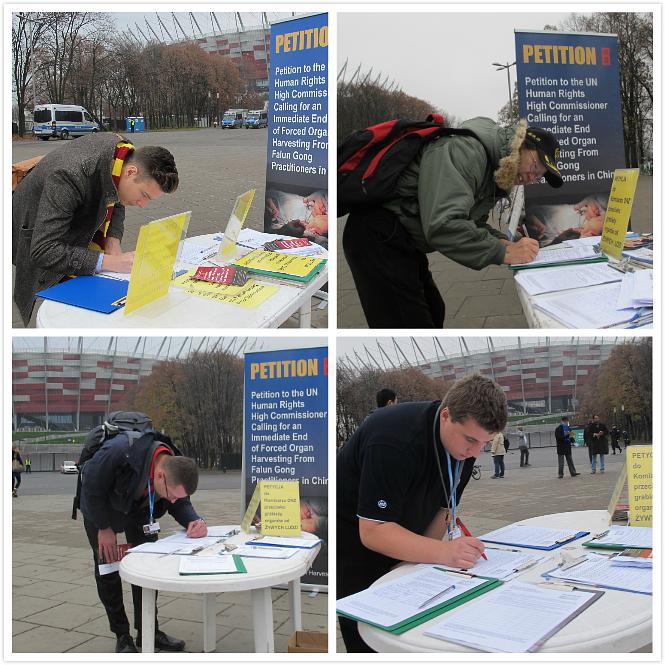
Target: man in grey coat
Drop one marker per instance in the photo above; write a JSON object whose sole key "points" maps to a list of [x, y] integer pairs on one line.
{"points": [[66, 199]]}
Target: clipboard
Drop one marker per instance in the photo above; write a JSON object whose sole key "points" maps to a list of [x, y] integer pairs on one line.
{"points": [[544, 548], [91, 292], [240, 568], [572, 582], [421, 617]]}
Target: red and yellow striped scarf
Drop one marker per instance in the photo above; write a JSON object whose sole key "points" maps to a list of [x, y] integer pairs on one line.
{"points": [[121, 150]]}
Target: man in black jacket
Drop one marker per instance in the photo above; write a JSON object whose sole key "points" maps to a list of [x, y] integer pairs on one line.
{"points": [[563, 447], [131, 481], [599, 445], [68, 212]]}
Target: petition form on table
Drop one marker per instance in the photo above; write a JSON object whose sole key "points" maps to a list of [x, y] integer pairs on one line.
{"points": [[549, 280], [521, 535], [502, 564], [626, 536], [517, 618]]}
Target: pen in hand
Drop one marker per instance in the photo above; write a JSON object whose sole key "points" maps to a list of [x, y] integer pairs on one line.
{"points": [[467, 533]]}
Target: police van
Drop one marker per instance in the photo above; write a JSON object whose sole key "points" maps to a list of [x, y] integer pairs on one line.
{"points": [[234, 119], [62, 121], [256, 119]]}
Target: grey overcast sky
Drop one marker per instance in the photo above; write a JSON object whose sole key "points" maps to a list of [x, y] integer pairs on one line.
{"points": [[443, 58]]}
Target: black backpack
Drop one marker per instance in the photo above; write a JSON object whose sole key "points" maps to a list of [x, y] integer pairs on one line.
{"points": [[133, 422], [370, 161]]}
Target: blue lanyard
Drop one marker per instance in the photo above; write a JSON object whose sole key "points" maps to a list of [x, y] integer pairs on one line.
{"points": [[151, 501], [452, 488]]}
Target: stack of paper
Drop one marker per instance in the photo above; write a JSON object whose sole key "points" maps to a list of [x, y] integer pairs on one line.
{"points": [[642, 255], [597, 570], [518, 618], [409, 600], [634, 557], [211, 565], [550, 280], [636, 290], [593, 307], [256, 239]]}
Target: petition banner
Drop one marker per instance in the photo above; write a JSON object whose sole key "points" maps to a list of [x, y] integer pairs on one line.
{"points": [[297, 166], [568, 83], [286, 434]]}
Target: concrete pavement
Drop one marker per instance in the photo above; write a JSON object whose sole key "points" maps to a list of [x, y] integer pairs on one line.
{"points": [[55, 607], [474, 298], [214, 167], [532, 491]]}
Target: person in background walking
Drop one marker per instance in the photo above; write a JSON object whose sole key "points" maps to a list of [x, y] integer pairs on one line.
{"points": [[626, 439], [498, 451], [17, 469], [523, 446], [564, 438], [615, 437]]}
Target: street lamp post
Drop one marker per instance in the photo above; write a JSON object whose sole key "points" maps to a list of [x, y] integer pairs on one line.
{"points": [[507, 67]]}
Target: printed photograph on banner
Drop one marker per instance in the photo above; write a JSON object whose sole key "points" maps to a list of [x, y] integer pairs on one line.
{"points": [[504, 471], [120, 119], [442, 193], [145, 452]]}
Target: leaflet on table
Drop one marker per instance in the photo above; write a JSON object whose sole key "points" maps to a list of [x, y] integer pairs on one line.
{"points": [[182, 538], [256, 239], [634, 557], [211, 565], [636, 290], [550, 280], [541, 538], [252, 294], [501, 564], [195, 253], [518, 618], [597, 571], [562, 254], [619, 537], [593, 307], [409, 598], [254, 552], [284, 541]]}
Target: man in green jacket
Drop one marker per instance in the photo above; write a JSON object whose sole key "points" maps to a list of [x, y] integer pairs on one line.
{"points": [[444, 198]]}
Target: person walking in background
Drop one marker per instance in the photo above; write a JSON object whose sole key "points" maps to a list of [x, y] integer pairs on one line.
{"points": [[523, 446], [498, 451], [28, 465], [626, 439], [564, 439], [386, 397], [17, 469], [599, 444], [506, 443], [615, 435]]}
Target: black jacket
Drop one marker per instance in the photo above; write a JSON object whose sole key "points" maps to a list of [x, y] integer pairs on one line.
{"points": [[563, 446], [599, 445], [114, 482]]}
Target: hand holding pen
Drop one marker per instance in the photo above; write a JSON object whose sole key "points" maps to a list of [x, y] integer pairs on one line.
{"points": [[467, 533]]}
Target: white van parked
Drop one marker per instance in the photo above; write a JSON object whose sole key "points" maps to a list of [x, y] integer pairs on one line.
{"points": [[62, 121]]}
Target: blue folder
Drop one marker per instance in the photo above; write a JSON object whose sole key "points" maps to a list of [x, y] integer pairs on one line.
{"points": [[98, 294], [579, 534]]}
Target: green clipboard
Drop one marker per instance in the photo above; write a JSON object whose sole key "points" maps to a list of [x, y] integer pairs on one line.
{"points": [[611, 546], [426, 615], [239, 564]]}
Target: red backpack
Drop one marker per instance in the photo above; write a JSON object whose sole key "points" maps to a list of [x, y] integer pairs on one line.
{"points": [[370, 161]]}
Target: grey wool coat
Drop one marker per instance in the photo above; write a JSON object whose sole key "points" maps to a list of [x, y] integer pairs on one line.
{"points": [[56, 210]]}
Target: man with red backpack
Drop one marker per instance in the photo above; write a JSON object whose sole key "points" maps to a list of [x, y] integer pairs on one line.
{"points": [[440, 202]]}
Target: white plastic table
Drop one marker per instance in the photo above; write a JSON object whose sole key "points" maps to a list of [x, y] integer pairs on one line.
{"points": [[179, 309], [618, 622], [155, 572]]}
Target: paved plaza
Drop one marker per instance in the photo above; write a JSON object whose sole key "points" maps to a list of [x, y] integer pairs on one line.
{"points": [[489, 504], [214, 166], [55, 607], [484, 298]]}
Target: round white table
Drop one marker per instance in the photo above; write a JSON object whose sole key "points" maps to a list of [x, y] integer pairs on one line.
{"points": [[156, 572], [179, 309], [619, 622]]}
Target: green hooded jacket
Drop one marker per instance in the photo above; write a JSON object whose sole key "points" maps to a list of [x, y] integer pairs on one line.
{"points": [[446, 194]]}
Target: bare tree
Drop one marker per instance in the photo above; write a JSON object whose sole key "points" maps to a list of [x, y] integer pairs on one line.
{"points": [[26, 32]]}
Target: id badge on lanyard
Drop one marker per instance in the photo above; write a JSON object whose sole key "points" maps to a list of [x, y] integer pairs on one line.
{"points": [[152, 527]]}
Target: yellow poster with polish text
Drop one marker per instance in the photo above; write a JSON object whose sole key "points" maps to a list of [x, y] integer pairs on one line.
{"points": [[280, 507], [617, 216], [639, 460]]}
